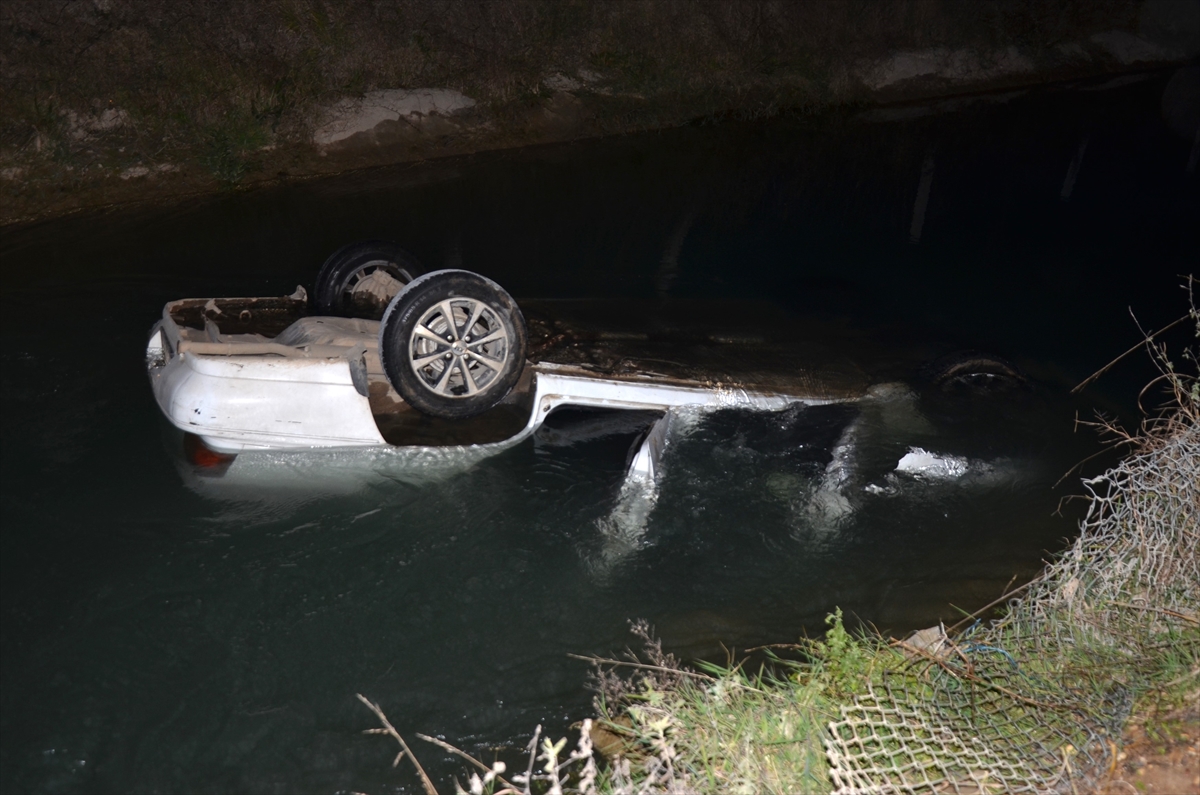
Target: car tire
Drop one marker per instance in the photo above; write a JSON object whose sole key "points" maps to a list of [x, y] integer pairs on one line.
{"points": [[453, 344], [973, 372], [361, 279]]}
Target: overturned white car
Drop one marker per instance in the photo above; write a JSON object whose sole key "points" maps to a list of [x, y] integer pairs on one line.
{"points": [[387, 357]]}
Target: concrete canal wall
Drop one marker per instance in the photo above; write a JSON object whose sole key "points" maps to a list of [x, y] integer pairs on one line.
{"points": [[111, 101]]}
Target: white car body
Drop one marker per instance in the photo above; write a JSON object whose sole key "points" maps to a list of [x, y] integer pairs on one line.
{"points": [[311, 386], [295, 382]]}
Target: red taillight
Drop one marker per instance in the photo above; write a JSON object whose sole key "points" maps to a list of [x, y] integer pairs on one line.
{"points": [[203, 456]]}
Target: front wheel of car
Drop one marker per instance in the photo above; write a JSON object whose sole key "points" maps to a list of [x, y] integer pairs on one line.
{"points": [[972, 372], [453, 344]]}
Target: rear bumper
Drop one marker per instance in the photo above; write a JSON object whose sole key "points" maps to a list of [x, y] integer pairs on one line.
{"points": [[255, 402]]}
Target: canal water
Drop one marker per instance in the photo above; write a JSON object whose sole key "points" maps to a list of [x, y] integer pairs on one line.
{"points": [[164, 631]]}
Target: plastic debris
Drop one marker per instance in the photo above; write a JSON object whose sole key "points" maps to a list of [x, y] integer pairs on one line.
{"points": [[922, 463]]}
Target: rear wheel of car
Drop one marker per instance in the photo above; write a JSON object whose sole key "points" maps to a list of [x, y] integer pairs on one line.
{"points": [[361, 279], [453, 344]]}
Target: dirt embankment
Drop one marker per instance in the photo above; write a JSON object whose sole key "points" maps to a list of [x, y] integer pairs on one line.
{"points": [[1159, 754], [110, 101]]}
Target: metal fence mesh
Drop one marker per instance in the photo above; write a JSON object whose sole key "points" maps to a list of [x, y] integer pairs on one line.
{"points": [[1029, 703]]}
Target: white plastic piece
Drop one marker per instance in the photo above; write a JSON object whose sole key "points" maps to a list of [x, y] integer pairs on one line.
{"points": [[647, 461], [922, 463]]}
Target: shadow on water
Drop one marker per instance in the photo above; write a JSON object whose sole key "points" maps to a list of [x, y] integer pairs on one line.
{"points": [[164, 631]]}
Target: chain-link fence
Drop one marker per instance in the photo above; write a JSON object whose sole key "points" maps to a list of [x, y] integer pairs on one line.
{"points": [[1035, 702]]}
